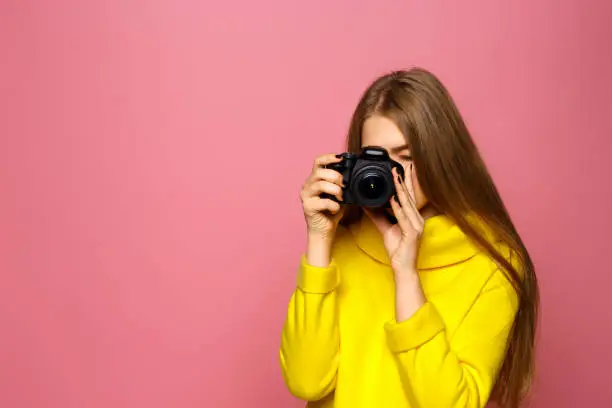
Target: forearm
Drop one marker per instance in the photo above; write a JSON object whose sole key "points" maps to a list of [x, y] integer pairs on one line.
{"points": [[435, 372], [433, 376], [426, 383], [310, 344], [409, 296], [318, 250], [309, 352]]}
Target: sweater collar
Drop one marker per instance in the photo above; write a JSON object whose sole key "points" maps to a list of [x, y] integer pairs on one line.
{"points": [[442, 242]]}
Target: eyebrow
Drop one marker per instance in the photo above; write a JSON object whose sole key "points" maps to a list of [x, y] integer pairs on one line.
{"points": [[400, 148]]}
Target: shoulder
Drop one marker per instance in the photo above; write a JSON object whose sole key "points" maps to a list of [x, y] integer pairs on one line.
{"points": [[494, 275], [486, 264], [506, 255]]}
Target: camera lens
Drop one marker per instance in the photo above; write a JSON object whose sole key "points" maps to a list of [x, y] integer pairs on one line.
{"points": [[372, 187], [371, 184]]}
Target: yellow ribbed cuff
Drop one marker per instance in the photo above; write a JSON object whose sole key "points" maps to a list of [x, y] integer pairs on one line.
{"points": [[423, 326], [313, 279]]}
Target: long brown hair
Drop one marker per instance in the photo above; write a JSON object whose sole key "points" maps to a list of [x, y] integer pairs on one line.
{"points": [[456, 182]]}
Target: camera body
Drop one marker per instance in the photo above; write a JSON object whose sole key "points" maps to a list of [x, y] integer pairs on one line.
{"points": [[367, 177]]}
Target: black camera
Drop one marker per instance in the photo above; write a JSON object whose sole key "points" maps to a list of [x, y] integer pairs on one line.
{"points": [[367, 177]]}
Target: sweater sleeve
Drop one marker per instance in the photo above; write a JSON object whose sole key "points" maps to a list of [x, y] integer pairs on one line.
{"points": [[438, 371], [310, 345]]}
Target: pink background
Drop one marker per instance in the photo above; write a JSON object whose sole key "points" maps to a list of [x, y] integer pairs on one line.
{"points": [[151, 154]]}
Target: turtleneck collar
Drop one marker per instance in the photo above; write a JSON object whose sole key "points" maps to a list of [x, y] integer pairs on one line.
{"points": [[442, 242]]}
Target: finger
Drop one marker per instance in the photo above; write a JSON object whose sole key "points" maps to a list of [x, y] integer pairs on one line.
{"points": [[402, 218], [380, 220], [417, 218], [326, 159], [316, 204], [327, 175], [401, 192], [412, 194], [408, 206], [318, 187], [410, 186]]}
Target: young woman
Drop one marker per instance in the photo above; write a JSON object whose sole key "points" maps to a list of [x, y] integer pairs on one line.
{"points": [[435, 307]]}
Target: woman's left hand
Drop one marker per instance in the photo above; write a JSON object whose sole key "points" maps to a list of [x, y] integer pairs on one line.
{"points": [[402, 239]]}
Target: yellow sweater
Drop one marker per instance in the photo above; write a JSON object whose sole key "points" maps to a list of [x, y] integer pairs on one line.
{"points": [[342, 348]]}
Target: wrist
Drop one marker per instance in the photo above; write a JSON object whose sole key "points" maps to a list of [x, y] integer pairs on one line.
{"points": [[406, 273], [407, 280]]}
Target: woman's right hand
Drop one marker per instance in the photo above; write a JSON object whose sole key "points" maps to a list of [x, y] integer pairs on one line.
{"points": [[322, 214]]}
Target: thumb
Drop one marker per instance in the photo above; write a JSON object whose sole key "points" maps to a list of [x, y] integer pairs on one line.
{"points": [[379, 219]]}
